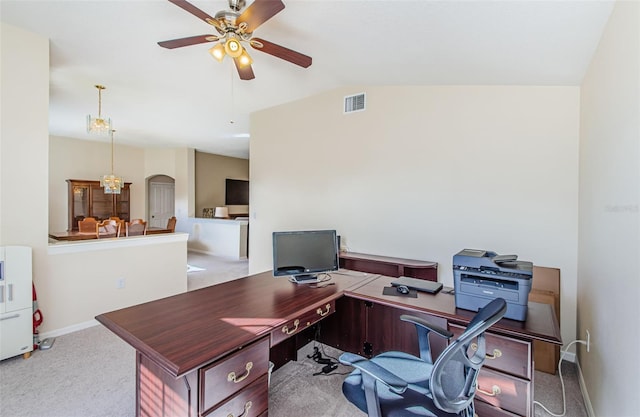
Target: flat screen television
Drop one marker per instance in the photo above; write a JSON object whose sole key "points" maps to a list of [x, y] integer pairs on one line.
{"points": [[303, 255], [236, 192]]}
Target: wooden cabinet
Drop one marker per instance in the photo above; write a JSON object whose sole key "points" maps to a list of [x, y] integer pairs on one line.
{"points": [[87, 199], [389, 266]]}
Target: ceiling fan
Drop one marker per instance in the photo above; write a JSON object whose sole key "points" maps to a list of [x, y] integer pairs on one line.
{"points": [[234, 28]]}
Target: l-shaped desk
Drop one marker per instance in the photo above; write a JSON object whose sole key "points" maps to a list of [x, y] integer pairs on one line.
{"points": [[207, 352]]}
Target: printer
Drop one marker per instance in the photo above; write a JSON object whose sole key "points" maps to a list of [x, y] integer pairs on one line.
{"points": [[479, 276]]}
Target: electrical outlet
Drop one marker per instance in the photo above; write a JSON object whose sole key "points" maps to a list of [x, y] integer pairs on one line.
{"points": [[588, 340], [120, 283]]}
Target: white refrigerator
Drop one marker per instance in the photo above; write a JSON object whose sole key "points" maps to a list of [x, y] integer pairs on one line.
{"points": [[16, 301]]}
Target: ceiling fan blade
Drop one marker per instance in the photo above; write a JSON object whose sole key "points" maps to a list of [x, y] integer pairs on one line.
{"points": [[283, 53], [246, 72], [259, 12], [192, 40], [185, 5]]}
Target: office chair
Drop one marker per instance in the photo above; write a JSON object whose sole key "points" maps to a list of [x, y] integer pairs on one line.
{"points": [[397, 384]]}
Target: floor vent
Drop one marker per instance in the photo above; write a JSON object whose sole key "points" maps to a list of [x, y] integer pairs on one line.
{"points": [[354, 103]]}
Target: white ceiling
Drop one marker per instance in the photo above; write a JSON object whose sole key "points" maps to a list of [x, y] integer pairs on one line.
{"points": [[183, 97]]}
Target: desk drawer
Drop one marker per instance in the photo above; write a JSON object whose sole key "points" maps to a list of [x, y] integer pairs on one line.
{"points": [[304, 320], [232, 373], [483, 409], [504, 391], [504, 353], [252, 401]]}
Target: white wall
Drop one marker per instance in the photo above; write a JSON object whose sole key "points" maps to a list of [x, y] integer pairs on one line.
{"points": [[609, 228], [72, 287], [218, 237], [24, 147], [423, 173]]}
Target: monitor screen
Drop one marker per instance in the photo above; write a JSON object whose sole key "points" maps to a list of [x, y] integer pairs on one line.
{"points": [[304, 254]]}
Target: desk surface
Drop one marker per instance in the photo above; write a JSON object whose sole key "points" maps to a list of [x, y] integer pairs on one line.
{"points": [[541, 323], [185, 331]]}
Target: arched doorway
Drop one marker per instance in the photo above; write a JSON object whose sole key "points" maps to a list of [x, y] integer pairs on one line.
{"points": [[161, 200]]}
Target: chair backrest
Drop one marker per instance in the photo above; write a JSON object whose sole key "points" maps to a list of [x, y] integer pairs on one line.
{"points": [[171, 224], [136, 227], [454, 374], [108, 228], [119, 220], [87, 225]]}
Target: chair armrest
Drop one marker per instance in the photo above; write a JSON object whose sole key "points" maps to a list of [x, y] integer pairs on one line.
{"points": [[394, 382], [428, 326], [423, 328]]}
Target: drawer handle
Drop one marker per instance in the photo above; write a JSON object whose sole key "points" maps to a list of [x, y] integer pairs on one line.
{"points": [[245, 413], [496, 352], [323, 313], [495, 391], [286, 330], [13, 316], [232, 375]]}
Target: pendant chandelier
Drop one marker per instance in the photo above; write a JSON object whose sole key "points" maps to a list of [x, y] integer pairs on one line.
{"points": [[112, 184], [99, 125]]}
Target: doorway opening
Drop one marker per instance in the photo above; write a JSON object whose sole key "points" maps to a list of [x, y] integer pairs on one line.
{"points": [[161, 202]]}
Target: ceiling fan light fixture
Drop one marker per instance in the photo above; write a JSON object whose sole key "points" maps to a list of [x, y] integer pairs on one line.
{"points": [[218, 52], [233, 48]]}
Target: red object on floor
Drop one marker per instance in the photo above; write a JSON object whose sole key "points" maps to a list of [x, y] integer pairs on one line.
{"points": [[37, 318]]}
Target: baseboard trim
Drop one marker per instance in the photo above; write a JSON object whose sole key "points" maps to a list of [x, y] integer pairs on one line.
{"points": [[569, 357], [204, 252], [68, 329], [585, 393]]}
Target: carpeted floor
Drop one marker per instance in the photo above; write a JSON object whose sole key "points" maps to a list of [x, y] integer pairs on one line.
{"points": [[210, 270]]}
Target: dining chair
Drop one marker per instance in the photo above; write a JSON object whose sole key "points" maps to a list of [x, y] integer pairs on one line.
{"points": [[108, 228], [87, 225], [136, 227], [171, 224], [119, 220]]}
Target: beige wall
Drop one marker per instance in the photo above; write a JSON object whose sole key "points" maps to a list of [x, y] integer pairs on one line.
{"points": [[211, 173], [609, 229], [82, 277], [90, 160], [423, 173]]}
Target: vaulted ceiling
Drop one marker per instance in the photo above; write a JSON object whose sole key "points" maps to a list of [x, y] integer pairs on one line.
{"points": [[183, 97]]}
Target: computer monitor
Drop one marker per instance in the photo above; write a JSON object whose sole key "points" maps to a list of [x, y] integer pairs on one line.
{"points": [[303, 255]]}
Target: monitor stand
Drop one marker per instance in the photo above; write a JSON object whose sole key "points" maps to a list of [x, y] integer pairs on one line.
{"points": [[304, 278]]}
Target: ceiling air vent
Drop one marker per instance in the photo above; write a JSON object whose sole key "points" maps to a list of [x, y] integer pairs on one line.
{"points": [[354, 103]]}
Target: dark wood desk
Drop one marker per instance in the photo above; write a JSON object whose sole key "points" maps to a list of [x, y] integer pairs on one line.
{"points": [[206, 352]]}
